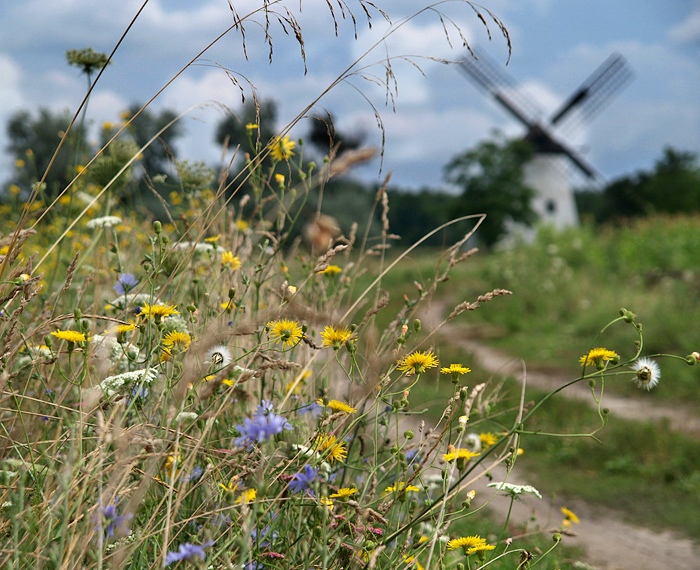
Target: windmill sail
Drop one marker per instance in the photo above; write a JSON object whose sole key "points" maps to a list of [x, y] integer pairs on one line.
{"points": [[554, 200], [595, 92]]}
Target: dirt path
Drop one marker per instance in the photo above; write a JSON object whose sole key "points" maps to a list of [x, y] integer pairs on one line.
{"points": [[609, 542], [685, 419]]}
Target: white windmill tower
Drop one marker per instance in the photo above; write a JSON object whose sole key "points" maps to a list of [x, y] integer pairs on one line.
{"points": [[547, 172]]}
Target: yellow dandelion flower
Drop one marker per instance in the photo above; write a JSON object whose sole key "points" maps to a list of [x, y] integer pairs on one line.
{"points": [[279, 178], [459, 454], [327, 444], [231, 487], [598, 356], [331, 270], [241, 225], [121, 329], [343, 493], [176, 340], [251, 127], [417, 362], [158, 311], [326, 502], [470, 544], [285, 331], [297, 386], [212, 239], [336, 337], [229, 260], [71, 336], [570, 516], [247, 496], [282, 149], [487, 439], [172, 461], [412, 560], [337, 406], [401, 487], [455, 369]]}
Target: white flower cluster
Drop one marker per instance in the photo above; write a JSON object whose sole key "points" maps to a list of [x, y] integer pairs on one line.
{"points": [[111, 385], [123, 301], [103, 222], [513, 490], [185, 416], [200, 247]]}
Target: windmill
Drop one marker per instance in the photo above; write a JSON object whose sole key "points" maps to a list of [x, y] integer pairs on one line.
{"points": [[547, 172]]}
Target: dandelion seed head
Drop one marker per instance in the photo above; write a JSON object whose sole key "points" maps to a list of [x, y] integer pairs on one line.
{"points": [[647, 373]]}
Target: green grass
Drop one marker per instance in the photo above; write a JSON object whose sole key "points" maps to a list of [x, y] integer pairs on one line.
{"points": [[645, 471], [567, 286]]}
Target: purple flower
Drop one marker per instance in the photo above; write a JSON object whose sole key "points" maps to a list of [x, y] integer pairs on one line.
{"points": [[111, 518], [313, 408], [139, 392], [303, 481], [125, 283], [262, 426], [196, 474], [264, 408], [187, 551], [258, 537]]}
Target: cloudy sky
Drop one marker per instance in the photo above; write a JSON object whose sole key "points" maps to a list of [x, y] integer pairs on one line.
{"points": [[437, 114]]}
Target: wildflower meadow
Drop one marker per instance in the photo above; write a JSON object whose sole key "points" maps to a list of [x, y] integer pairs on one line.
{"points": [[206, 388]]}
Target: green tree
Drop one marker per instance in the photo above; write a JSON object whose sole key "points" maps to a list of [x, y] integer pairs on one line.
{"points": [[323, 135], [492, 180], [33, 142], [157, 156], [673, 186], [234, 130]]}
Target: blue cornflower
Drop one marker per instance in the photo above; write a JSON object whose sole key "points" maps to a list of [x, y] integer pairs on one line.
{"points": [[125, 283], [265, 407], [258, 537], [303, 481], [138, 392], [262, 426], [187, 551], [111, 518], [313, 408], [196, 474]]}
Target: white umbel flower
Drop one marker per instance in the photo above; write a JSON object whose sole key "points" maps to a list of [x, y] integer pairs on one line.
{"points": [[104, 222], [199, 247], [514, 490], [647, 374], [110, 386]]}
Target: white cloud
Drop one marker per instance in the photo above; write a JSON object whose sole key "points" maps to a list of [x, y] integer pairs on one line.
{"points": [[10, 94], [689, 29], [11, 100]]}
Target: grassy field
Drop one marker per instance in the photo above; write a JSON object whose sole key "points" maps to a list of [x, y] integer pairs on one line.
{"points": [[567, 286], [208, 389], [560, 304]]}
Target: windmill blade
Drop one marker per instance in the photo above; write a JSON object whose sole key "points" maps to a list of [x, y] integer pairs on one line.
{"points": [[487, 74], [597, 90], [544, 142]]}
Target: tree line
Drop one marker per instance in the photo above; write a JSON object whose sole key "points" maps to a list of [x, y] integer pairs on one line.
{"points": [[487, 179]]}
